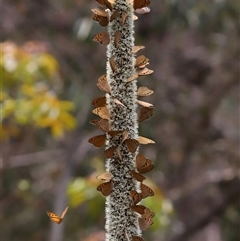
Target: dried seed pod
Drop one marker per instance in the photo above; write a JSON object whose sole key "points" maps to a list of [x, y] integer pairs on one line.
{"points": [[139, 177], [145, 113], [104, 177], [146, 191], [102, 38], [113, 64], [98, 141], [135, 49], [117, 38], [141, 60], [141, 3], [114, 15], [102, 112], [144, 91], [144, 141], [105, 188], [103, 84], [136, 197], [145, 71], [100, 101], [143, 164], [131, 78], [144, 103], [132, 145]]}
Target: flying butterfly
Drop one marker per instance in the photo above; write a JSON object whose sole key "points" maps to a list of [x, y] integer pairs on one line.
{"points": [[139, 177], [102, 38], [132, 145], [136, 197], [146, 191], [145, 113], [144, 141], [140, 3], [105, 188], [98, 141], [55, 218]]}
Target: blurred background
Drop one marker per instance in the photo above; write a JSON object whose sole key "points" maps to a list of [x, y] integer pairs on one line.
{"points": [[49, 68]]}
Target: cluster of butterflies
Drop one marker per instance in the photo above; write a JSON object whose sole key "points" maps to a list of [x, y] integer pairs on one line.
{"points": [[143, 164]]}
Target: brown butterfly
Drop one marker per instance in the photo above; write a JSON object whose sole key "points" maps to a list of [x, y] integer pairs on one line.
{"points": [[146, 191], [102, 112], [144, 91], [110, 151], [145, 113], [118, 102], [145, 71], [135, 49], [114, 133], [144, 165], [144, 223], [137, 238], [117, 38], [133, 77], [132, 145], [114, 15], [55, 218], [102, 38], [142, 10], [139, 177], [98, 141], [104, 177], [124, 136], [103, 125], [124, 16], [136, 197], [100, 12], [108, 4], [148, 213], [105, 188], [140, 3], [145, 104], [103, 21], [144, 141], [100, 2], [141, 60], [113, 64], [138, 208], [103, 84], [100, 101], [119, 154]]}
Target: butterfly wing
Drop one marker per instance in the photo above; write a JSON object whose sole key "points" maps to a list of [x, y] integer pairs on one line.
{"points": [[54, 217], [64, 212]]}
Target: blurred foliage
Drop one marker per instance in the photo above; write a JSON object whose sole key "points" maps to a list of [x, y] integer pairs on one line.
{"points": [[27, 97]]}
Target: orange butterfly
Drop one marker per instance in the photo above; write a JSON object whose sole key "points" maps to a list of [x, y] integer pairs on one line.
{"points": [[55, 218]]}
